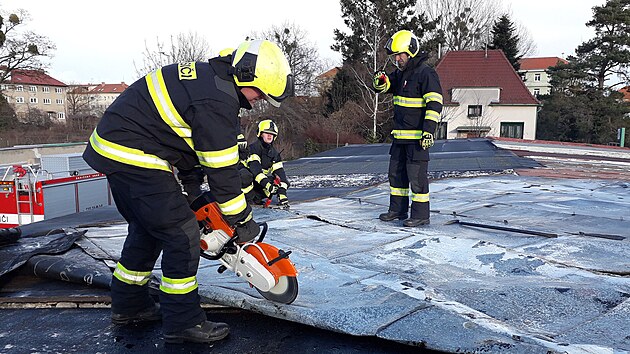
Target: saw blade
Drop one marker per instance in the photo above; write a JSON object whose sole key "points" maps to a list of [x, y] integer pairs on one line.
{"points": [[285, 291]]}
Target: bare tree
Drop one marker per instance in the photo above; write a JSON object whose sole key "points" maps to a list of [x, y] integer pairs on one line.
{"points": [[461, 24], [302, 54], [21, 50], [78, 99], [184, 47], [526, 45]]}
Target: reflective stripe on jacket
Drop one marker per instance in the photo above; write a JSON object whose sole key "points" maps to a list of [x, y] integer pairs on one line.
{"points": [[417, 101], [180, 115]]}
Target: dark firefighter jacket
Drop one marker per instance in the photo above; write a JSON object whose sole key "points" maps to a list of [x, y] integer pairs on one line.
{"points": [[264, 161], [182, 115], [417, 100]]}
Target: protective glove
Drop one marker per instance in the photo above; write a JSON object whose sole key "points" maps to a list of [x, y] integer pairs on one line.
{"points": [[247, 230], [282, 197], [381, 81], [269, 189], [242, 143], [427, 140]]}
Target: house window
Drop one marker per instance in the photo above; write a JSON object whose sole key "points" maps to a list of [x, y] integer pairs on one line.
{"points": [[58, 90], [61, 115], [46, 89], [512, 130], [440, 132], [19, 88], [33, 100], [47, 101], [19, 100], [523, 77], [32, 88], [4, 87], [536, 77], [59, 101], [474, 111], [536, 92]]}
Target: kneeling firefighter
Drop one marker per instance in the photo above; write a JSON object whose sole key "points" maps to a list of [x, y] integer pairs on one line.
{"points": [[266, 166]]}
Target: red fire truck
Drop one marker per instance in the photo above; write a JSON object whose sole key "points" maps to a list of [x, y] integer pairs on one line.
{"points": [[59, 185]]}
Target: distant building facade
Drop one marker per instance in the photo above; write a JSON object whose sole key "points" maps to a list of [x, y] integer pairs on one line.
{"points": [[103, 95], [484, 96], [533, 72], [26, 90]]}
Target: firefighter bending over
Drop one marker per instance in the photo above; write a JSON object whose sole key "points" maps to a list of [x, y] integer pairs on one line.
{"points": [[265, 164], [417, 107], [179, 116]]}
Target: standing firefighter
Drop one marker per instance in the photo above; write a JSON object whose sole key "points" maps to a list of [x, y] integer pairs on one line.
{"points": [[181, 115], [417, 107], [265, 164]]}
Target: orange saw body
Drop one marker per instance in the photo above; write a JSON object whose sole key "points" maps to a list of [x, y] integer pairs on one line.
{"points": [[263, 266]]}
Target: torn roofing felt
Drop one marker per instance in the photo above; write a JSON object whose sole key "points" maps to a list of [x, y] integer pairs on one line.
{"points": [[448, 287]]}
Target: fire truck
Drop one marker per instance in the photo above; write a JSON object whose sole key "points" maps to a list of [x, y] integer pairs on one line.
{"points": [[59, 185]]}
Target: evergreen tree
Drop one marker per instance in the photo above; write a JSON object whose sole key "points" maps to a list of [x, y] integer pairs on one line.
{"points": [[584, 105], [371, 23], [608, 53], [504, 37], [8, 118]]}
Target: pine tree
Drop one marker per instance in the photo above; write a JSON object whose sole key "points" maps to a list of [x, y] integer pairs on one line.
{"points": [[504, 37]]}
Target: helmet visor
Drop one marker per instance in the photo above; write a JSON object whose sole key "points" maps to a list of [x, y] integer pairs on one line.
{"points": [[288, 92]]}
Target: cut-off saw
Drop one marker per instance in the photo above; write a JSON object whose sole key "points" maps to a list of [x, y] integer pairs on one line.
{"points": [[265, 267]]}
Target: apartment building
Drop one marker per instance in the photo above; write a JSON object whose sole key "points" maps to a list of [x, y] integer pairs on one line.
{"points": [[533, 72], [103, 95], [26, 90]]}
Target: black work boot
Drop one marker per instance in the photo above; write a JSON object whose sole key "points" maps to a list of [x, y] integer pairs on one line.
{"points": [[390, 215], [415, 222], [149, 314], [205, 332]]}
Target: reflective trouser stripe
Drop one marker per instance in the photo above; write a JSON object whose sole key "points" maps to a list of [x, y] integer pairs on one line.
{"points": [[399, 192], [127, 155], [131, 277], [178, 286], [420, 198]]}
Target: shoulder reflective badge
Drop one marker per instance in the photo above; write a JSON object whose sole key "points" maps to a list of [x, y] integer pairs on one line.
{"points": [[186, 71]]}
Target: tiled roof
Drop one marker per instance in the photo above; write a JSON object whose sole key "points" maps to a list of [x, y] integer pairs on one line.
{"points": [[461, 69], [33, 77], [109, 88], [330, 73], [626, 93], [542, 63]]}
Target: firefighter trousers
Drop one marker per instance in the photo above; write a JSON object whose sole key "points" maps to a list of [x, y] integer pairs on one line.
{"points": [[160, 220], [408, 166]]}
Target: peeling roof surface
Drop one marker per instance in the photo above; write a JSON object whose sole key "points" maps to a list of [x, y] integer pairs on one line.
{"points": [[535, 264]]}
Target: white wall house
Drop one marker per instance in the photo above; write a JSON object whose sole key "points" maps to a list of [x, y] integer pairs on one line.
{"points": [[484, 96]]}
